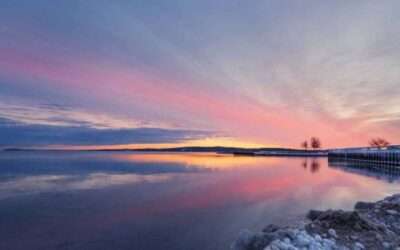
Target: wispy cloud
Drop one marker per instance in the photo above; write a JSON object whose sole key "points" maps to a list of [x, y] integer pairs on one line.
{"points": [[54, 124], [19, 134], [67, 116]]}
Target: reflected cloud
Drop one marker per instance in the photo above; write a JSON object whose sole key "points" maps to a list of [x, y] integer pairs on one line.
{"points": [[61, 183], [244, 180], [265, 183], [202, 160], [110, 191]]}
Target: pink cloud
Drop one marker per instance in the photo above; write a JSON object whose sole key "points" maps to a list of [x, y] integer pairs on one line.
{"points": [[189, 104]]}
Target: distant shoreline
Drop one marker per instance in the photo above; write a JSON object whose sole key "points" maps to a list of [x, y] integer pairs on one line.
{"points": [[220, 150]]}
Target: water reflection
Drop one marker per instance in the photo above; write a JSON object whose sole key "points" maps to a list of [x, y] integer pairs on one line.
{"points": [[202, 160], [172, 201], [385, 172], [81, 163], [312, 164], [29, 185]]}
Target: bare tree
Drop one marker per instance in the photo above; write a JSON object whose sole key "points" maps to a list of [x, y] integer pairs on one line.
{"points": [[379, 142], [315, 143], [304, 145]]}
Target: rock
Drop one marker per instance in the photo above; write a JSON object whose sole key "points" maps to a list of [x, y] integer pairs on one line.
{"points": [[270, 228], [393, 199], [282, 245], [364, 205], [369, 226], [391, 212], [354, 237], [302, 240], [244, 240], [386, 245], [378, 237], [343, 220], [250, 240], [328, 244], [357, 227], [314, 214], [358, 246], [332, 233], [316, 246]]}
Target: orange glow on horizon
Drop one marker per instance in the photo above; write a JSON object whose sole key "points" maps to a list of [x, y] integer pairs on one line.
{"points": [[202, 160], [206, 142]]}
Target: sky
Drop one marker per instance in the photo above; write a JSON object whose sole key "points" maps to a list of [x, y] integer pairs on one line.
{"points": [[142, 73]]}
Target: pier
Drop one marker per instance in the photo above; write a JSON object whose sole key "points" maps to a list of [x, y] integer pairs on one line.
{"points": [[389, 156]]}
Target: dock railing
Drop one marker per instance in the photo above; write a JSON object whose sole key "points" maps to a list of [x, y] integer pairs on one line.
{"points": [[388, 155]]}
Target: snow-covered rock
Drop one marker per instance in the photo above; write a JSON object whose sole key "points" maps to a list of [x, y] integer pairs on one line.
{"points": [[333, 230]]}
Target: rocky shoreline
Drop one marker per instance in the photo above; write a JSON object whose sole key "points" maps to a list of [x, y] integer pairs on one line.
{"points": [[371, 225]]}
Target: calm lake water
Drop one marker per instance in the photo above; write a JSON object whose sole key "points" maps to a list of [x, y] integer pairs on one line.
{"points": [[108, 200]]}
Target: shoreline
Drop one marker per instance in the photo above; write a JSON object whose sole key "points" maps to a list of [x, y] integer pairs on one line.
{"points": [[371, 225], [299, 153]]}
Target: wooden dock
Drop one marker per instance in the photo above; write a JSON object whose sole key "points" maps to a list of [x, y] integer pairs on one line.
{"points": [[383, 156]]}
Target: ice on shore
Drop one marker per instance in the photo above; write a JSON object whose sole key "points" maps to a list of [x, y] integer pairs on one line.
{"points": [[295, 240], [372, 225]]}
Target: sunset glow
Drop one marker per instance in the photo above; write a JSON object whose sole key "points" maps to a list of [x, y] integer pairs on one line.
{"points": [[147, 74], [199, 124]]}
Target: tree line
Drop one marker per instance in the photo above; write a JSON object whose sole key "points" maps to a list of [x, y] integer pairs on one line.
{"points": [[379, 143], [315, 143]]}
